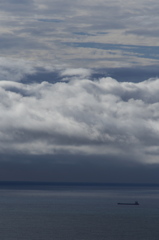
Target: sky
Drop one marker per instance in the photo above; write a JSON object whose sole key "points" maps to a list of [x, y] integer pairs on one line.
{"points": [[79, 91]]}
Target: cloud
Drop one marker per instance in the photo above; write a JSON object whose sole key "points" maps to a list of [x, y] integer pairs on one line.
{"points": [[18, 7], [76, 72], [131, 50], [65, 93], [17, 69], [102, 117], [38, 30]]}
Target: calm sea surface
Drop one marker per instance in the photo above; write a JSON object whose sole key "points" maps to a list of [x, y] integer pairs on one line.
{"points": [[79, 213]]}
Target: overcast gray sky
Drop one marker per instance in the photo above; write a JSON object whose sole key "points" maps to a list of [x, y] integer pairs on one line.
{"points": [[79, 90]]}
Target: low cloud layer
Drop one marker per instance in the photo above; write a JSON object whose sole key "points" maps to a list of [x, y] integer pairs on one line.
{"points": [[81, 116]]}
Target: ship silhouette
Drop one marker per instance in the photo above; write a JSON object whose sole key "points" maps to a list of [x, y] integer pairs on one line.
{"points": [[135, 203]]}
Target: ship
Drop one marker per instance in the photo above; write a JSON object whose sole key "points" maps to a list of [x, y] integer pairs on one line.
{"points": [[135, 203]]}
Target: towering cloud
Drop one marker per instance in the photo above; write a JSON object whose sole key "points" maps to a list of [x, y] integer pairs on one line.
{"points": [[81, 116]]}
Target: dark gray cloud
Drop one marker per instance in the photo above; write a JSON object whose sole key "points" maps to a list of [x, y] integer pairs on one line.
{"points": [[144, 32], [17, 5], [9, 44], [68, 168]]}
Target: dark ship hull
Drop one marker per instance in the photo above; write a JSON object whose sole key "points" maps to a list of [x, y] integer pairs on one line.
{"points": [[135, 203]]}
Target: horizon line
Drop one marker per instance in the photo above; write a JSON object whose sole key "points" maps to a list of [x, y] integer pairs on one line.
{"points": [[49, 183]]}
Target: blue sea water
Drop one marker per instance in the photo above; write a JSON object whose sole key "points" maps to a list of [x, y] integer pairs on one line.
{"points": [[79, 213]]}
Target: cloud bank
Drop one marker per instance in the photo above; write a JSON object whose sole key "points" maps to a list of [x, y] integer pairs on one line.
{"points": [[81, 116], [81, 33]]}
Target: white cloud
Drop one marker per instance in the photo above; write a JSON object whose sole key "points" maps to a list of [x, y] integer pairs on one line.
{"points": [[16, 69], [76, 72], [87, 117]]}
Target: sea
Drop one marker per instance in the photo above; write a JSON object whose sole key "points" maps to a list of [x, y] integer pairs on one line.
{"points": [[78, 212]]}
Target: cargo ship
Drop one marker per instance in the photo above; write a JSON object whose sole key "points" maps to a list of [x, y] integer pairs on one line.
{"points": [[135, 203]]}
